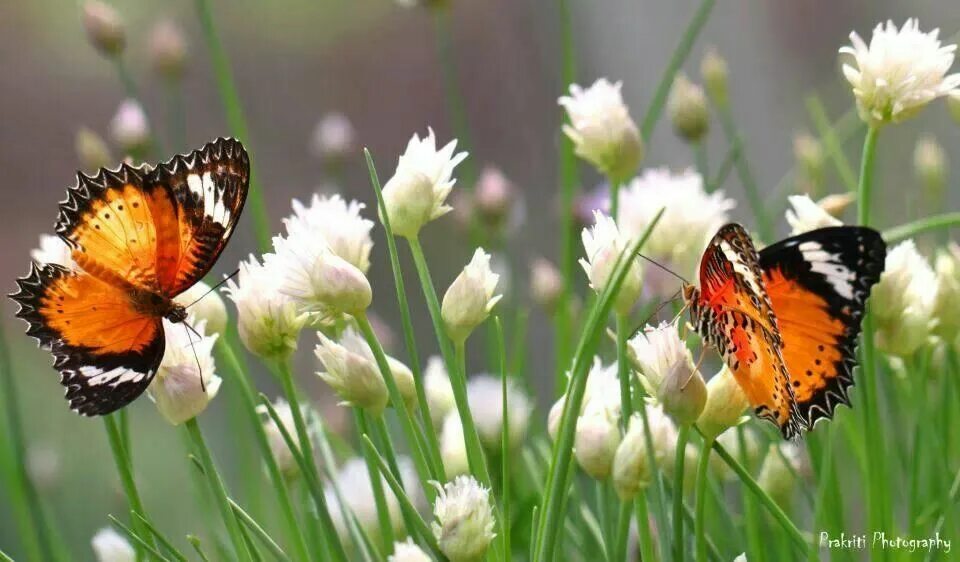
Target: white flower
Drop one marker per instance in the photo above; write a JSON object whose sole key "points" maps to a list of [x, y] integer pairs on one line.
{"points": [[417, 192], [453, 448], [742, 557], [278, 445], [334, 136], [408, 551], [690, 219], [53, 250], [668, 371], [602, 131], [469, 299], [436, 385], [604, 244], [903, 301], [687, 107], [351, 373], [110, 546], [485, 397], [177, 389], [315, 278], [353, 483], [268, 320], [596, 439], [129, 127], [464, 519], [339, 223], [807, 215], [900, 72], [205, 305], [546, 283], [783, 463], [725, 404], [602, 388], [947, 300], [631, 466]]}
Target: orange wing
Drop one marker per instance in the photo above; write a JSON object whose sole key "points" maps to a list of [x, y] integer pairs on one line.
{"points": [[818, 283], [106, 351], [732, 312]]}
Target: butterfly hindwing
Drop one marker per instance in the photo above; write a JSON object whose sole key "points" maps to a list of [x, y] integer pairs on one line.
{"points": [[818, 283], [733, 313], [106, 351]]}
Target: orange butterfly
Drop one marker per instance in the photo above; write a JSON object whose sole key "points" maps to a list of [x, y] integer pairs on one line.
{"points": [[786, 320], [139, 237]]}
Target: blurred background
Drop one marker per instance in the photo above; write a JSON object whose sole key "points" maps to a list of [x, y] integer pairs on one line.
{"points": [[377, 64]]}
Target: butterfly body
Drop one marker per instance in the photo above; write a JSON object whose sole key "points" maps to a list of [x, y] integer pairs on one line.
{"points": [[786, 319], [138, 237]]}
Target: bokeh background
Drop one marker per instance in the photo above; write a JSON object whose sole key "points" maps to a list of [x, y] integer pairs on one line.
{"points": [[377, 63]]}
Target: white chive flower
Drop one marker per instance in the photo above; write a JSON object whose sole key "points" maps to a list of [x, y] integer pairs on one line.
{"points": [[469, 299], [205, 305], [464, 519], [268, 320], [334, 137], [668, 371], [129, 127], [725, 405], [948, 292], [690, 219], [602, 389], [715, 73], [339, 223], [439, 391], [317, 279], [278, 445], [453, 447], [417, 192], [402, 375], [485, 398], [899, 72], [596, 439], [352, 374], [631, 462], [602, 131], [604, 243], [104, 27], [903, 301], [807, 215], [111, 546], [53, 250], [353, 483], [408, 551], [177, 389]]}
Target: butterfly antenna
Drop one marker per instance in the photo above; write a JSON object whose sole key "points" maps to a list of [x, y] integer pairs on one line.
{"points": [[215, 287], [656, 312], [665, 268], [196, 357]]}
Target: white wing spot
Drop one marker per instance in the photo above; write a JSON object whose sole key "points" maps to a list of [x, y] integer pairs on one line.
{"points": [[828, 265]]}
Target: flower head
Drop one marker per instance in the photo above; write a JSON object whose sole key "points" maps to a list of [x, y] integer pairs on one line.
{"points": [[268, 320], [53, 250], [668, 371], [334, 137], [110, 546], [714, 71], [604, 244], [104, 27], [205, 305], [631, 466], [464, 519], [178, 389], [351, 372], [899, 72], [903, 301], [725, 404], [352, 482], [129, 126], [278, 445], [807, 215], [469, 299], [546, 283], [493, 195], [168, 49], [691, 217], [417, 192], [687, 107], [596, 439], [339, 223], [602, 131], [485, 397], [408, 551]]}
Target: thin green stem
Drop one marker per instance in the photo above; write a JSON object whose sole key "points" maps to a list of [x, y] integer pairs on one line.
{"points": [[236, 120], [125, 470], [683, 435], [831, 142], [452, 91], [258, 531], [139, 542], [750, 187], [238, 378], [376, 483], [700, 157], [219, 491], [680, 54], [505, 465], [751, 520], [643, 528], [928, 224], [161, 538], [623, 369], [703, 466], [475, 456]]}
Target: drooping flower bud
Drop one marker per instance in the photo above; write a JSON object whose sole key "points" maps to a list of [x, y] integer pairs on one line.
{"points": [[185, 382], [725, 405], [351, 374], [168, 49], [687, 107], [714, 72], [464, 519], [469, 299], [92, 150], [104, 28], [596, 439]]}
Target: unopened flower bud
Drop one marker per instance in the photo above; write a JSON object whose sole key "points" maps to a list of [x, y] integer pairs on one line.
{"points": [[493, 195], [631, 466], [748, 455], [714, 72], [92, 151], [408, 551], [104, 27], [469, 299], [930, 166], [129, 127], [453, 448], [554, 417], [110, 546], [334, 137], [316, 278], [404, 379], [464, 519], [168, 49], [352, 375], [278, 445], [596, 440], [436, 385], [668, 372], [687, 107], [546, 283], [725, 405], [485, 399], [604, 244]]}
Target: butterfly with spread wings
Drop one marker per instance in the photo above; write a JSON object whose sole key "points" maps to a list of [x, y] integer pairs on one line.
{"points": [[138, 238], [786, 319]]}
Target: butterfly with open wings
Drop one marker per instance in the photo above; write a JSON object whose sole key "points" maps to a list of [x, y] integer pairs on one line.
{"points": [[786, 319], [138, 237]]}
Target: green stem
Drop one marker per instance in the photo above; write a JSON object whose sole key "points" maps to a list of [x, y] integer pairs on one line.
{"points": [[703, 466], [236, 120], [831, 142], [452, 90], [751, 520], [125, 471], [219, 491], [614, 187], [235, 373], [683, 435], [680, 54], [643, 527], [475, 456], [911, 229], [504, 519], [623, 370], [376, 483], [700, 157]]}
